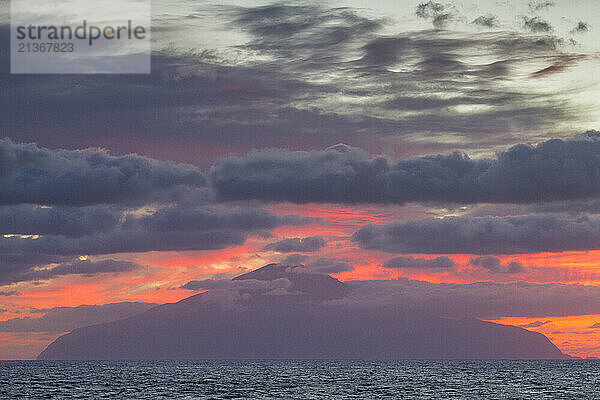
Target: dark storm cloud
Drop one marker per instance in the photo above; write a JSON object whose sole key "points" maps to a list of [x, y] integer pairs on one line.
{"points": [[31, 174], [78, 267], [165, 229], [494, 265], [343, 174], [485, 300], [67, 221], [293, 245], [64, 319], [487, 235], [438, 263], [551, 171]]}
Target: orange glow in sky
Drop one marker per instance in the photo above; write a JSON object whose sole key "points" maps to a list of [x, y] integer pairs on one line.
{"points": [[574, 335], [163, 273]]}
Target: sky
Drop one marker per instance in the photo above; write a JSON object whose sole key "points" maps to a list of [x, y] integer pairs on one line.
{"points": [[445, 152]]}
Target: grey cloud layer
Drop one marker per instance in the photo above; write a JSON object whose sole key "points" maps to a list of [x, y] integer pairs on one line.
{"points": [[442, 263], [329, 265], [166, 229], [484, 300], [67, 221], [246, 284], [486, 235], [552, 170], [124, 241], [292, 245], [245, 220], [77, 267], [64, 319], [322, 265], [88, 197], [31, 174]]}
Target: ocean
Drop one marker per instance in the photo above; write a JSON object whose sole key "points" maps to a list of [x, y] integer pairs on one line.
{"points": [[300, 379]]}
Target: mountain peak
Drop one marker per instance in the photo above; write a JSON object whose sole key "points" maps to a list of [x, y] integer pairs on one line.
{"points": [[316, 286]]}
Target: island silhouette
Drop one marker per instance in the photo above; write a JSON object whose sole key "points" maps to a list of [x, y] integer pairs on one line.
{"points": [[288, 312]]}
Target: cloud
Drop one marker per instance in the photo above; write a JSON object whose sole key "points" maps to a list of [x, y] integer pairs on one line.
{"points": [[124, 241], [596, 325], [434, 11], [494, 265], [535, 324], [308, 30], [536, 25], [320, 265], [242, 219], [64, 319], [561, 63], [35, 175], [321, 74], [294, 259], [46, 257], [488, 21], [438, 263], [10, 293], [341, 174], [486, 235], [198, 228], [245, 284], [581, 27], [328, 265], [429, 9], [484, 300], [67, 221], [10, 261], [79, 267], [552, 170], [540, 5], [14, 266], [572, 207], [292, 245]]}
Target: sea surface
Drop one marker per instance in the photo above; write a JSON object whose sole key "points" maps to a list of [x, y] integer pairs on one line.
{"points": [[571, 379]]}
